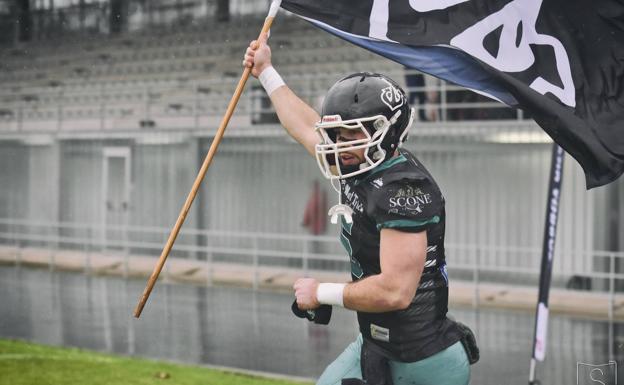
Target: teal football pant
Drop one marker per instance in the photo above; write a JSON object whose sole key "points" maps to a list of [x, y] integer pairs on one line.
{"points": [[448, 367]]}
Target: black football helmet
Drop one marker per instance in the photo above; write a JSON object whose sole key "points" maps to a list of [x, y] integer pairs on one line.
{"points": [[368, 102]]}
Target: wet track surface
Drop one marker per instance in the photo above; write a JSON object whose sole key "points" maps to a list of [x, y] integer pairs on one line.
{"points": [[256, 330]]}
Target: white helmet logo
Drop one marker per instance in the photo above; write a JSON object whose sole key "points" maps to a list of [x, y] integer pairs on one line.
{"points": [[392, 97]]}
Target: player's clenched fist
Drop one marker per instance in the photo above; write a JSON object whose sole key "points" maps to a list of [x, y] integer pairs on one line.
{"points": [[258, 56], [305, 292]]}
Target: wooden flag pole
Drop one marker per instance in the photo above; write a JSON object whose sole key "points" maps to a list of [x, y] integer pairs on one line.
{"points": [[202, 172]]}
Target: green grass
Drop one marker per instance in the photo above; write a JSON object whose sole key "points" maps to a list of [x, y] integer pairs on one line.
{"points": [[23, 363]]}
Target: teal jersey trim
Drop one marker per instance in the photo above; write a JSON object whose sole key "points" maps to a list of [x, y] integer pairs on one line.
{"points": [[385, 165], [356, 268], [398, 223]]}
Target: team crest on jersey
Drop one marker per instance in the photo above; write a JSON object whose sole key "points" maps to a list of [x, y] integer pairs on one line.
{"points": [[392, 97]]}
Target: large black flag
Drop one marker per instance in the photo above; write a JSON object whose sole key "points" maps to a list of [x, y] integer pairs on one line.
{"points": [[562, 60]]}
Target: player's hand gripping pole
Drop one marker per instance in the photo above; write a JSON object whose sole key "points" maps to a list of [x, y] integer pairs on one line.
{"points": [[204, 168]]}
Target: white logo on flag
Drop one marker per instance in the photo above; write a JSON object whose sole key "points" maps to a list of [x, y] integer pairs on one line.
{"points": [[432, 5], [512, 58]]}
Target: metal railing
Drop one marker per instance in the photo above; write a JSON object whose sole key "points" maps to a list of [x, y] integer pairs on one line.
{"points": [[293, 251], [256, 249]]}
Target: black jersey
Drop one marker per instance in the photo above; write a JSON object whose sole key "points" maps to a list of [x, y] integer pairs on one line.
{"points": [[400, 194]]}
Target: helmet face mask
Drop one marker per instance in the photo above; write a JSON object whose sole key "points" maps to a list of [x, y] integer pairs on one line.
{"points": [[366, 103], [328, 151]]}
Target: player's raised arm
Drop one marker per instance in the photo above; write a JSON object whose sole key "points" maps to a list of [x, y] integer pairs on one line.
{"points": [[295, 115]]}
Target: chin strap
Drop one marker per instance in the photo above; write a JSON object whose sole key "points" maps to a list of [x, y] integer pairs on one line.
{"points": [[340, 208]]}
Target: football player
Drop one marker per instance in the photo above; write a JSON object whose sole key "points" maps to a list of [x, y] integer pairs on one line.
{"points": [[392, 216]]}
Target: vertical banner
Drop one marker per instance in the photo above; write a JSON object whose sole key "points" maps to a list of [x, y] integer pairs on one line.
{"points": [[548, 252]]}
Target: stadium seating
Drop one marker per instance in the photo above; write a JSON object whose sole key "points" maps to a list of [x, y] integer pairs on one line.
{"points": [[193, 68]]}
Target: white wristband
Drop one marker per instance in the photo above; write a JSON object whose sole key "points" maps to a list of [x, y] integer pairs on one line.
{"points": [[270, 80], [330, 293]]}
